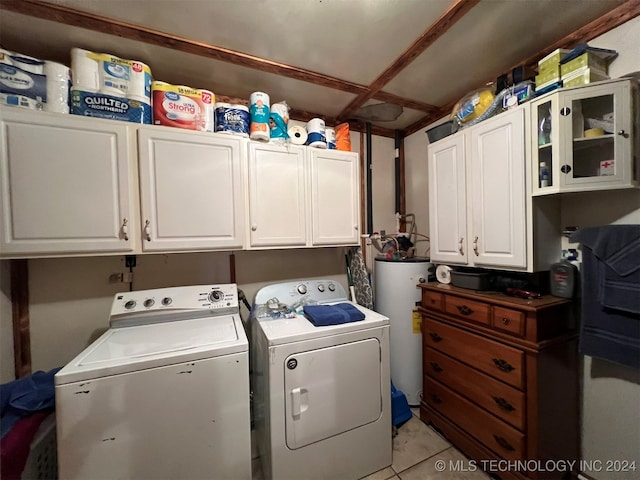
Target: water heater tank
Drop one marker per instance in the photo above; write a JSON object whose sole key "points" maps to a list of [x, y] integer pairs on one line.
{"points": [[396, 295]]}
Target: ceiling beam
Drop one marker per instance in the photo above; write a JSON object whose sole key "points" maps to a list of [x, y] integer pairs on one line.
{"points": [[454, 13], [610, 20]]}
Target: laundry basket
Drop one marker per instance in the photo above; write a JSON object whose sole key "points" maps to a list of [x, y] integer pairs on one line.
{"points": [[42, 462]]}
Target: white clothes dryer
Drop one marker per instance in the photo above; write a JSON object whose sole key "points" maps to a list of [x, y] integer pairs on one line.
{"points": [[322, 400], [164, 393]]}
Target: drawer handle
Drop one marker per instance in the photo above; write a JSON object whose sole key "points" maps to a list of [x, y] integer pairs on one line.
{"points": [[464, 310], [503, 365], [435, 337], [503, 443], [435, 366], [436, 398], [505, 321], [504, 404]]}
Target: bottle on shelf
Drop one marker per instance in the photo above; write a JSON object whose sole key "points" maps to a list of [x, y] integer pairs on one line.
{"points": [[544, 130], [544, 175]]}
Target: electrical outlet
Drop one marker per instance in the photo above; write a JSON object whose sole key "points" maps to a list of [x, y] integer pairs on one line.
{"points": [[116, 278], [126, 277]]}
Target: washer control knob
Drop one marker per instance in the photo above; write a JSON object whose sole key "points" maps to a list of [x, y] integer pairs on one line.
{"points": [[166, 301], [149, 302], [130, 304], [321, 288], [332, 287], [216, 296], [302, 289]]}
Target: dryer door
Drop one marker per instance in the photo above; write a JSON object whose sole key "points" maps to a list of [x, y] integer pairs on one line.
{"points": [[331, 390]]}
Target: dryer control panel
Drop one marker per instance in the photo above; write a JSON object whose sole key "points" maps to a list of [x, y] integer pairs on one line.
{"points": [[220, 299], [290, 293]]}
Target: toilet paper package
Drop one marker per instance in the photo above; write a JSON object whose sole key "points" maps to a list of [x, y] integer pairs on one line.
{"points": [[32, 83], [232, 118], [183, 107], [110, 75], [112, 107]]}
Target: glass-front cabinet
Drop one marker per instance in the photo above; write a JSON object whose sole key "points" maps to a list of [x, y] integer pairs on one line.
{"points": [[584, 138]]}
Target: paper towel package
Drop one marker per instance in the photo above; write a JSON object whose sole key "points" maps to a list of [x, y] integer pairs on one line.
{"points": [[32, 83], [99, 105], [183, 107]]}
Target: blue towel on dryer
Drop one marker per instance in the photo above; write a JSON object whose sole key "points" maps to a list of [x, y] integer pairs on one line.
{"points": [[323, 315]]}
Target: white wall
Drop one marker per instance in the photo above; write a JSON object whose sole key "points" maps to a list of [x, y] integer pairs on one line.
{"points": [[611, 393]]}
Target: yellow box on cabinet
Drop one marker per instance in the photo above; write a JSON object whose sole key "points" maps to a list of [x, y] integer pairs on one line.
{"points": [[583, 76], [587, 59]]}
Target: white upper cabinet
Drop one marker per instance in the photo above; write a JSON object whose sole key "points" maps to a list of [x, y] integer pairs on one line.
{"points": [[72, 185], [477, 195], [448, 200], [586, 138], [68, 185], [277, 195], [335, 197], [191, 194], [302, 197], [498, 194]]}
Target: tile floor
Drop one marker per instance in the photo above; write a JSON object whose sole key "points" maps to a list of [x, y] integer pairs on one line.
{"points": [[416, 448]]}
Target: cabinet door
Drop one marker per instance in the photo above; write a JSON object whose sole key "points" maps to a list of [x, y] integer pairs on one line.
{"points": [[447, 200], [66, 184], [596, 159], [190, 189], [335, 198], [497, 150], [277, 195]]}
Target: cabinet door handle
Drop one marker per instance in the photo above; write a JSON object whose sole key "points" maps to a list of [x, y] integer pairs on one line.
{"points": [[435, 366], [503, 443], [254, 228], [504, 404], [623, 134], [435, 336], [503, 365], [147, 230], [125, 229], [475, 246], [464, 310], [436, 398], [460, 249]]}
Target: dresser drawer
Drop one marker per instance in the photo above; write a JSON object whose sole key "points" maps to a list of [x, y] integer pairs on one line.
{"points": [[468, 309], [432, 300], [503, 439], [498, 360], [505, 402], [508, 320]]}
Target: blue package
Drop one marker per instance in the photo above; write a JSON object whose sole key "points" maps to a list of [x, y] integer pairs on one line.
{"points": [[110, 107]]}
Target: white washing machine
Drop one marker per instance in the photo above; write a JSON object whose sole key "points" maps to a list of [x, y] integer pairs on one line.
{"points": [[322, 401], [164, 393]]}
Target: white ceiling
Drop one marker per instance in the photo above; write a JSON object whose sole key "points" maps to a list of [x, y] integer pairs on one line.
{"points": [[353, 41]]}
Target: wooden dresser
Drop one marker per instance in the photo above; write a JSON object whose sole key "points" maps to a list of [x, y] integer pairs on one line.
{"points": [[500, 379]]}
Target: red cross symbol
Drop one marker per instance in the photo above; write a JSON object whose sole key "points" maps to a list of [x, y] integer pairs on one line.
{"points": [[607, 164]]}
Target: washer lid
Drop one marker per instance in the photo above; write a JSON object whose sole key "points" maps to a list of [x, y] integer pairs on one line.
{"points": [[128, 349]]}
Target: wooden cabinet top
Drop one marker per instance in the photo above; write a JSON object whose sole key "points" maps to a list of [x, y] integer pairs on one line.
{"points": [[497, 298]]}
